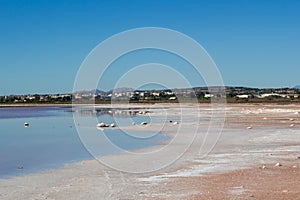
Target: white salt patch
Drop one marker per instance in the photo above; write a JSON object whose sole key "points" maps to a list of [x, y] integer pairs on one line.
{"points": [[237, 190]]}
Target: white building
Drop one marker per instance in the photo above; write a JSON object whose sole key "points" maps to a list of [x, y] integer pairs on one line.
{"points": [[243, 96], [208, 95]]}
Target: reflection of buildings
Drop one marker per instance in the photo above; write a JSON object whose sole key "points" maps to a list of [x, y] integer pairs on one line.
{"points": [[114, 112]]}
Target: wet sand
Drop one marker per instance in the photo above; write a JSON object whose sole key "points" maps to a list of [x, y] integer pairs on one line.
{"points": [[240, 166]]}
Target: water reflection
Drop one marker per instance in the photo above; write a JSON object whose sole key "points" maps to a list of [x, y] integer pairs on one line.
{"points": [[52, 140], [114, 112]]}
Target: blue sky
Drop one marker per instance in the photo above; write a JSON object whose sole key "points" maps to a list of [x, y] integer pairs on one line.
{"points": [[43, 42]]}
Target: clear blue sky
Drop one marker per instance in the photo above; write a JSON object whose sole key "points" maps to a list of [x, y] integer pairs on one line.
{"points": [[43, 42]]}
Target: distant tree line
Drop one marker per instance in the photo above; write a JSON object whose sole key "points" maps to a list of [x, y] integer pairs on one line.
{"points": [[202, 94]]}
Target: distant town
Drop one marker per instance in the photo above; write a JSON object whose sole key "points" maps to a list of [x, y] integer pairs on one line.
{"points": [[203, 94]]}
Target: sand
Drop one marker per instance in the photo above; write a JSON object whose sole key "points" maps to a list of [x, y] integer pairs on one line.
{"points": [[241, 165]]}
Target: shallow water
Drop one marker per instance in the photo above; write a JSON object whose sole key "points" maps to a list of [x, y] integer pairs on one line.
{"points": [[51, 140]]}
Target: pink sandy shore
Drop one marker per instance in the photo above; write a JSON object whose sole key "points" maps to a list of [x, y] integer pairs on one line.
{"points": [[242, 165]]}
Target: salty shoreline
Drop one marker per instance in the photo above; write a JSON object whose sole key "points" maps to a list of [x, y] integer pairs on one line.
{"points": [[253, 136]]}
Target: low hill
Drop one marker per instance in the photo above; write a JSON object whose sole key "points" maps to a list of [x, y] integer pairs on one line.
{"points": [[297, 87]]}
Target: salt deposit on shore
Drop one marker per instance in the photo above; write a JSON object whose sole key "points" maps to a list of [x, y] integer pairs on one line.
{"points": [[239, 151]]}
